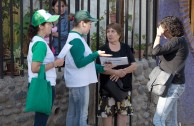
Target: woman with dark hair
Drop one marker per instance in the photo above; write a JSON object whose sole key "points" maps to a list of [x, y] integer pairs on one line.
{"points": [[39, 53], [108, 106], [63, 25], [172, 56]]}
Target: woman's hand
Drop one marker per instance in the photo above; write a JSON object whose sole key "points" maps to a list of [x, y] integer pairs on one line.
{"points": [[58, 62], [121, 73], [102, 53], [118, 74], [160, 31], [114, 77], [108, 65]]}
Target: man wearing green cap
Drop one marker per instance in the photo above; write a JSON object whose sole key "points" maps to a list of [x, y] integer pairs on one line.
{"points": [[39, 54], [80, 69]]}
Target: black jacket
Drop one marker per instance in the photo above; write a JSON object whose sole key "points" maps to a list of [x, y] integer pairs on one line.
{"points": [[172, 54]]}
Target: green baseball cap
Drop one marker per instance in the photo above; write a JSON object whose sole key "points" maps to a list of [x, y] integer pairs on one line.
{"points": [[41, 16], [84, 15]]}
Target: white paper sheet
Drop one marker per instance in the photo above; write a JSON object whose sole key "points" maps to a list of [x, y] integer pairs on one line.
{"points": [[114, 60], [64, 51]]}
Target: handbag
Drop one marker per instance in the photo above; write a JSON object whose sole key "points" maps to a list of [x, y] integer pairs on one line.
{"points": [[159, 81], [39, 95], [116, 90]]}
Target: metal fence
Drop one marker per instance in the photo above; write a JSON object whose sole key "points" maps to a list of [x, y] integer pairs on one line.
{"points": [[13, 33], [137, 17]]}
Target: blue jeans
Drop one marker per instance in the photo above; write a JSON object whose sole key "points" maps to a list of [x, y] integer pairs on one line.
{"points": [[40, 119], [78, 106], [166, 111]]}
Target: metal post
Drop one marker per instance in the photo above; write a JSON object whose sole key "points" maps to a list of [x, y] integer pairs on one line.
{"points": [[97, 47], [107, 16], [82, 4], [59, 30], [40, 1], [147, 31], [77, 5], [50, 36], [59, 25], [97, 25], [107, 12], [1, 40], [88, 36], [155, 10], [11, 36], [132, 26], [118, 9], [31, 10], [140, 30], [68, 13], [21, 36], [126, 20]]}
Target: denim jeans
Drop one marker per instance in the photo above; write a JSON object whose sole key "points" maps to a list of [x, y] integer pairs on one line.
{"points": [[166, 111], [40, 119], [78, 106]]}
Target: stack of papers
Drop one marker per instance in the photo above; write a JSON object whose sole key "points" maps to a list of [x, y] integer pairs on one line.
{"points": [[114, 60], [64, 51]]}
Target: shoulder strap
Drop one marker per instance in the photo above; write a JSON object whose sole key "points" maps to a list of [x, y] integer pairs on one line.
{"points": [[178, 69]]}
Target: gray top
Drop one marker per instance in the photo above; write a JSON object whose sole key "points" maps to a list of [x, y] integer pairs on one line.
{"points": [[171, 55]]}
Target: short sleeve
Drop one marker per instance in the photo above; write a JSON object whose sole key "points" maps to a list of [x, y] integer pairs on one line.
{"points": [[130, 55], [39, 50]]}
